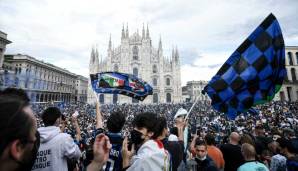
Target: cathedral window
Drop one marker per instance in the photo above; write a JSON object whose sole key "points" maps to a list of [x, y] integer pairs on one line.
{"points": [[155, 98], [154, 81], [168, 81], [135, 53], [290, 58], [101, 98], [115, 98], [116, 69], [154, 69], [135, 72], [168, 97]]}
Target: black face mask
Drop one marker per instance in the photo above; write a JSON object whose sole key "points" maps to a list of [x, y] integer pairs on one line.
{"points": [[136, 137], [29, 160]]}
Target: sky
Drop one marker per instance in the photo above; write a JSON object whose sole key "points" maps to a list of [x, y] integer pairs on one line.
{"points": [[206, 32]]}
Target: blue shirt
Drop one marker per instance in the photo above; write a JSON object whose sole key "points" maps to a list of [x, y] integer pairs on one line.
{"points": [[253, 166]]}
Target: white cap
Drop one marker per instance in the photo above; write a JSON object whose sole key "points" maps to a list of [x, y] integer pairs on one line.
{"points": [[180, 112]]}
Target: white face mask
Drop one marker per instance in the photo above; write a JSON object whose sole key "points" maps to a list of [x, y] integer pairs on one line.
{"points": [[201, 158]]}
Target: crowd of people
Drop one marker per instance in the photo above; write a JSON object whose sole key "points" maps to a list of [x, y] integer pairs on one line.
{"points": [[79, 136]]}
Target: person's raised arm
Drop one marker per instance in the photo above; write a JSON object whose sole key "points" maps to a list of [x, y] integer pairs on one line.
{"points": [[77, 127], [99, 123]]}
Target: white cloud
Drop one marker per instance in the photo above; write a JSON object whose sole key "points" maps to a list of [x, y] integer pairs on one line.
{"points": [[206, 32]]}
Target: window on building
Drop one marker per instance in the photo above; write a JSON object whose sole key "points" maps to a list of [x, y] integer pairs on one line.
{"points": [[116, 69], [168, 81], [101, 99], [155, 98], [290, 58], [135, 53], [135, 72], [297, 58], [293, 73], [134, 100], [154, 69], [168, 98], [289, 92], [154, 81], [115, 98]]}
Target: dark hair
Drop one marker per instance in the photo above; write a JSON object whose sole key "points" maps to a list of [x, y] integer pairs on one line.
{"points": [[289, 144], [14, 122], [115, 122], [161, 124], [200, 142], [210, 140], [18, 93], [145, 120], [50, 115]]}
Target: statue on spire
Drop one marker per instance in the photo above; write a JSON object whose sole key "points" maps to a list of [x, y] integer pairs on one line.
{"points": [[143, 32], [110, 42], [127, 34], [123, 33]]}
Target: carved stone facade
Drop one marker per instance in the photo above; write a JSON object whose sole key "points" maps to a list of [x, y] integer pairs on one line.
{"points": [[136, 55]]}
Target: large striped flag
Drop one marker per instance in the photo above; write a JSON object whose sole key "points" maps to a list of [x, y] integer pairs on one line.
{"points": [[253, 73]]}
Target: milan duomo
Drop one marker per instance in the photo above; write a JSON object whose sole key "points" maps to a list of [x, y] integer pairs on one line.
{"points": [[136, 55]]}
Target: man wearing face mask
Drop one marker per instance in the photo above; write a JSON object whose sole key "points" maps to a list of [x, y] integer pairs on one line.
{"points": [[19, 137], [55, 146], [202, 161], [150, 153]]}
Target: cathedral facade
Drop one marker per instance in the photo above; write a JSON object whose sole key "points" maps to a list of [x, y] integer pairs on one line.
{"points": [[136, 55]]}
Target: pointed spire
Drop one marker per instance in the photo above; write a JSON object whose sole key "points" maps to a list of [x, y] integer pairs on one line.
{"points": [[177, 55], [159, 44], [173, 52], [147, 33], [92, 56], [143, 32], [110, 42], [122, 34], [127, 34]]}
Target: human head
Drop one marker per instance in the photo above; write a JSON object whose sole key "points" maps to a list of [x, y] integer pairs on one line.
{"points": [[19, 137], [161, 128], [179, 116], [201, 149], [248, 151], [51, 116], [287, 147], [234, 138], [210, 139], [259, 130], [144, 127], [115, 122]]}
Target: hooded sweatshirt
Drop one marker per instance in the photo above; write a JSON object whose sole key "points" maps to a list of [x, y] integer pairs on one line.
{"points": [[152, 157], [55, 148]]}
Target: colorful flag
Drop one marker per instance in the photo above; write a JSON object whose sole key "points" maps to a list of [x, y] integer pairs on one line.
{"points": [[253, 73], [120, 83]]}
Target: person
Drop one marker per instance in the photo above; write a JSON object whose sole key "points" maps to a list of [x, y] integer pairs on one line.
{"points": [[278, 161], [115, 124], [288, 149], [232, 153], [175, 148], [55, 147], [213, 152], [251, 164], [202, 161], [150, 153], [19, 136]]}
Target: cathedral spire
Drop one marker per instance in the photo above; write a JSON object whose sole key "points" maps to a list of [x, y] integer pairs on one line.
{"points": [[177, 55], [127, 33], [110, 42], [147, 33], [143, 32], [92, 56], [159, 44], [123, 33]]}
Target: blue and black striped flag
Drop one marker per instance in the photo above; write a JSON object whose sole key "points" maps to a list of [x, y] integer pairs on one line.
{"points": [[253, 74], [120, 83]]}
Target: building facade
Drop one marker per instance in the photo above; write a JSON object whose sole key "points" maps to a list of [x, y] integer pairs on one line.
{"points": [[81, 89], [42, 81], [289, 89], [136, 55], [3, 43], [194, 89]]}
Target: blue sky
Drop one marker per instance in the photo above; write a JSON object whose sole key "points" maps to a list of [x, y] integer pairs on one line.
{"points": [[206, 32]]}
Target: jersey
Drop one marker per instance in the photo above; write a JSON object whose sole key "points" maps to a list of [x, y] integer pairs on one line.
{"points": [[114, 162]]}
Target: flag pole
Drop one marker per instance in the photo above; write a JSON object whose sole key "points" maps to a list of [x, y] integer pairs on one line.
{"points": [[193, 105]]}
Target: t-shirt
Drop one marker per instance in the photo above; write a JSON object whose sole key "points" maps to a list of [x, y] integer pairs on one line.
{"points": [[115, 157], [253, 166], [232, 156]]}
